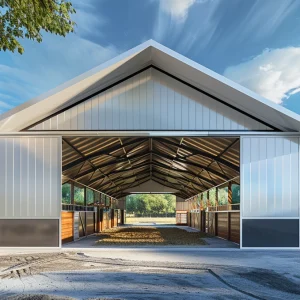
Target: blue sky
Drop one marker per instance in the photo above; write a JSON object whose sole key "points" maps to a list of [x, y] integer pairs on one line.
{"points": [[253, 42]]}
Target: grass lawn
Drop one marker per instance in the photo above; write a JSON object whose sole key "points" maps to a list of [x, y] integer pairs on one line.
{"points": [[134, 220], [150, 236]]}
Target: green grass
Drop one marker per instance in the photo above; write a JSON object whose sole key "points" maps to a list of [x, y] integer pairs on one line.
{"points": [[159, 220]]}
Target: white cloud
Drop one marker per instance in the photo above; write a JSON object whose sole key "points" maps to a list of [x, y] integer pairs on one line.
{"points": [[178, 9], [262, 21], [174, 24], [274, 74], [265, 17]]}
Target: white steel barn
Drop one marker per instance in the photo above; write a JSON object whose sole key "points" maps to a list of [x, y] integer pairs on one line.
{"points": [[149, 120]]}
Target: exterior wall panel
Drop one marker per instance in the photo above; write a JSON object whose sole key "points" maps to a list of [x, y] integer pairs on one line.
{"points": [[29, 233], [151, 100], [271, 233], [30, 177], [270, 176]]}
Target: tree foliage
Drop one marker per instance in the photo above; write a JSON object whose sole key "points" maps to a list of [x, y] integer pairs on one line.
{"points": [[150, 203], [27, 18], [66, 193], [78, 195]]}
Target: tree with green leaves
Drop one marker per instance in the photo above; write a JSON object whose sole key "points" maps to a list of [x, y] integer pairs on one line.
{"points": [[28, 18], [150, 204]]}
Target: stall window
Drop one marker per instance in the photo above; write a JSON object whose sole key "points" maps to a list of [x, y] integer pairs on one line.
{"points": [[66, 193], [212, 197], [97, 197], [103, 197], [78, 195], [235, 193], [223, 196], [107, 201], [89, 197], [205, 201]]}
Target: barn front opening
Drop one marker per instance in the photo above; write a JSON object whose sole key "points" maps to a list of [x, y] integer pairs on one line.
{"points": [[99, 174]]}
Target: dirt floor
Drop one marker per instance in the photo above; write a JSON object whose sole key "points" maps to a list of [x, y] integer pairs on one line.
{"points": [[146, 235]]}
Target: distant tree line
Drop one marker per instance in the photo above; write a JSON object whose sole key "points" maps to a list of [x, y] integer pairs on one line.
{"points": [[147, 204]]}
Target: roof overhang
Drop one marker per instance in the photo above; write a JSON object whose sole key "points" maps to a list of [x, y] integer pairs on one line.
{"points": [[148, 53]]}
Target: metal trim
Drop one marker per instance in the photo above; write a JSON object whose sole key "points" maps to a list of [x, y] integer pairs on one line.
{"points": [[149, 133], [138, 72]]}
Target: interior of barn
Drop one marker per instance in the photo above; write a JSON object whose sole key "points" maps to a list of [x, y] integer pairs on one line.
{"points": [[98, 173]]}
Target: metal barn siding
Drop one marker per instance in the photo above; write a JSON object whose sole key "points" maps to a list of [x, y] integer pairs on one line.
{"points": [[30, 177], [150, 100], [30, 190], [270, 191]]}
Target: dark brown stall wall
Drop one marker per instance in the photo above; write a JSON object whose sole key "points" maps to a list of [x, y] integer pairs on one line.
{"points": [[82, 226], [189, 219], [122, 217], [211, 223], [29, 233], [90, 223], [195, 220], [67, 226], [223, 225], [235, 227], [116, 218]]}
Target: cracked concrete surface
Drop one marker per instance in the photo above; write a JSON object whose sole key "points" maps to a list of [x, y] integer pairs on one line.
{"points": [[178, 274]]}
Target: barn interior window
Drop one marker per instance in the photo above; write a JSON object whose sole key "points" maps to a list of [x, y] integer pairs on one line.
{"points": [[107, 201], [78, 195], [90, 197], [66, 193], [235, 193], [97, 197]]}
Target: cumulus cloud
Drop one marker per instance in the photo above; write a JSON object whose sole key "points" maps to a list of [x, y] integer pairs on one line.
{"points": [[178, 9], [274, 74]]}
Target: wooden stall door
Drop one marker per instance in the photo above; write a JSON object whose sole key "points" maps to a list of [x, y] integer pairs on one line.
{"points": [[109, 219], [67, 226], [112, 218], [211, 223], [116, 218], [90, 222], [82, 224], [122, 217], [100, 220], [223, 225], [234, 227]]}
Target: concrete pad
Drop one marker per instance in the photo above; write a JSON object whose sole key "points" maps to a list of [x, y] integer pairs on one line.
{"points": [[132, 279]]}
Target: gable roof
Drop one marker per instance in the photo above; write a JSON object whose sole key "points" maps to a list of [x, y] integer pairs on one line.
{"points": [[167, 60]]}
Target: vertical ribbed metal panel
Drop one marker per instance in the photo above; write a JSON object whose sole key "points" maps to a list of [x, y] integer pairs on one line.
{"points": [[151, 100], [270, 176], [30, 177]]}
